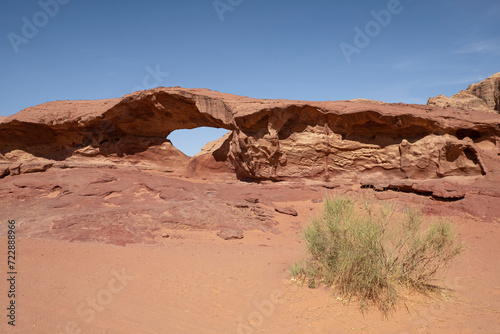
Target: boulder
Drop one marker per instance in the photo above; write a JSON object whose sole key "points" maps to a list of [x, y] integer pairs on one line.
{"points": [[229, 233], [286, 211]]}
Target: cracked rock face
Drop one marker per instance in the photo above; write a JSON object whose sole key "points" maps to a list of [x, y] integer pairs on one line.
{"points": [[104, 171], [483, 96], [268, 139], [354, 139]]}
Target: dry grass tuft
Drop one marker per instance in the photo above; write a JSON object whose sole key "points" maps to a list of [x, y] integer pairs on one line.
{"points": [[372, 253]]}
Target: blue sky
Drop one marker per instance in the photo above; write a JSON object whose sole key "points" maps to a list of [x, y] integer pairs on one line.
{"points": [[264, 49]]}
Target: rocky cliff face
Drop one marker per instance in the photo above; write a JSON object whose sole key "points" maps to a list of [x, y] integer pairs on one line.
{"points": [[483, 96], [104, 171], [268, 139], [354, 140]]}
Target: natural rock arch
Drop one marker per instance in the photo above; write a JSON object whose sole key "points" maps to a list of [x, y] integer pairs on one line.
{"points": [[269, 139]]}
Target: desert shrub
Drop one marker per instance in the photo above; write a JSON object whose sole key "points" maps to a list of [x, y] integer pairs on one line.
{"points": [[371, 252]]}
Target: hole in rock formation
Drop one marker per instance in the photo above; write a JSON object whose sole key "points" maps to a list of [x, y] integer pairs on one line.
{"points": [[268, 139], [447, 200], [472, 134], [453, 152], [471, 155], [190, 142]]}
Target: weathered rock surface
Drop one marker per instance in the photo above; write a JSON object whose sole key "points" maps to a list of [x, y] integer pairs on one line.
{"points": [[269, 139], [483, 96], [286, 211], [212, 160], [123, 205], [230, 233], [104, 171]]}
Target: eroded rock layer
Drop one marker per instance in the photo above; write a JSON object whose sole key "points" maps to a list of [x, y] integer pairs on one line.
{"points": [[483, 96], [269, 139], [110, 174]]}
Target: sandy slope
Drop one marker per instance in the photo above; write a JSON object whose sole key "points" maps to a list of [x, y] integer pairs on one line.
{"points": [[195, 282]]}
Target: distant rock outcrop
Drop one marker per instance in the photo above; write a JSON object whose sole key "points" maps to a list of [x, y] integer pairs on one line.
{"points": [[483, 96]]}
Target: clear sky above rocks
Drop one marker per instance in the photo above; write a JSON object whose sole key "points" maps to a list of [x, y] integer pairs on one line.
{"points": [[390, 50]]}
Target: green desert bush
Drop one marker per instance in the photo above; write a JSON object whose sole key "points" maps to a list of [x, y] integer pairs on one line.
{"points": [[372, 252]]}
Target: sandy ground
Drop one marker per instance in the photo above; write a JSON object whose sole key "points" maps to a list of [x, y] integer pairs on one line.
{"points": [[195, 282]]}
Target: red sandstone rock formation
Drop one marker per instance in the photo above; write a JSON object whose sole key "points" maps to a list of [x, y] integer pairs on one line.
{"points": [[106, 165], [483, 96], [270, 139]]}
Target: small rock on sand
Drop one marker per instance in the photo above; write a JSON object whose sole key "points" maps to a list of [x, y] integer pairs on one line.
{"points": [[287, 211], [230, 233]]}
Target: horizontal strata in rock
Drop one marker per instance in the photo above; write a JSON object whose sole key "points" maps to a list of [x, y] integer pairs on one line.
{"points": [[268, 139], [447, 190]]}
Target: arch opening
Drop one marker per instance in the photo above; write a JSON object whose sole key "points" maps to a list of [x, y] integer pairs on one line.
{"points": [[191, 141]]}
